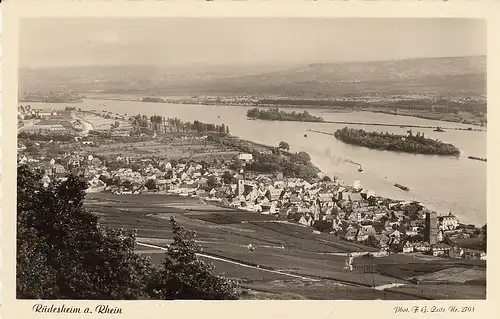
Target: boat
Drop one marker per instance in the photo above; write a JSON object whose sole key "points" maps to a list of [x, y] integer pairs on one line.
{"points": [[477, 158], [439, 129], [401, 187], [305, 135], [360, 169]]}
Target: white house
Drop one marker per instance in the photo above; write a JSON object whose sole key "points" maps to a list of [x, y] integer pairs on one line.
{"points": [[408, 247], [448, 222], [245, 157]]}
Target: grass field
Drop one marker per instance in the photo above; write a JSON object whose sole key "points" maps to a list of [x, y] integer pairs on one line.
{"points": [[279, 246]]}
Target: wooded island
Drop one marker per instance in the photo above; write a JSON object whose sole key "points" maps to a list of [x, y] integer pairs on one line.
{"points": [[274, 114], [415, 144]]}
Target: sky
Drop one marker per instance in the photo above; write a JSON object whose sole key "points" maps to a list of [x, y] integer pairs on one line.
{"points": [[60, 42]]}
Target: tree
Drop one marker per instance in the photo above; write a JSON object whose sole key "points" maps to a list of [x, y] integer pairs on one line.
{"points": [[372, 241], [228, 178], [284, 146], [151, 184], [303, 157], [64, 253], [185, 276], [127, 184], [212, 182], [484, 239]]}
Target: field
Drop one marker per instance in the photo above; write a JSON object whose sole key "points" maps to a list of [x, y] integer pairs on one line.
{"points": [[443, 292], [289, 260], [172, 148]]}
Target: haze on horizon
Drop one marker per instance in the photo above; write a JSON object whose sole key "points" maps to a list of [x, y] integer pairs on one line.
{"points": [[62, 42]]}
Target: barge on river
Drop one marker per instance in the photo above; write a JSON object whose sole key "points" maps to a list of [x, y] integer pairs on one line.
{"points": [[477, 158], [401, 187]]}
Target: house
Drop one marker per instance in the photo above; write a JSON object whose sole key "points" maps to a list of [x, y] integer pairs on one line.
{"points": [[421, 246], [45, 180], [355, 197], [440, 236], [411, 232], [395, 234], [275, 193], [245, 157], [279, 184], [349, 234], [408, 247], [370, 230], [474, 254], [251, 193], [456, 252], [356, 216], [362, 235], [59, 169], [448, 222], [394, 241], [306, 220], [325, 198], [344, 196], [295, 199], [383, 240], [440, 249]]}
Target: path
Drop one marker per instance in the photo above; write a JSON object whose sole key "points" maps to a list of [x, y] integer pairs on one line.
{"points": [[237, 263], [382, 287], [387, 286]]}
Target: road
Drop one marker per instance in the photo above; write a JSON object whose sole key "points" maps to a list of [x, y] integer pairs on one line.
{"points": [[87, 126], [381, 287]]}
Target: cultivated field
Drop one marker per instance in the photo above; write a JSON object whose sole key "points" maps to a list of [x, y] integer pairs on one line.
{"points": [[289, 260], [171, 148]]}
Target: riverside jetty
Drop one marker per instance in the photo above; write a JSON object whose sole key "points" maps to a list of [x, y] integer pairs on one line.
{"points": [[401, 125]]}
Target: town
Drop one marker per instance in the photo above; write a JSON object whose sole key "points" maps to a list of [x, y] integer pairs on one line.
{"points": [[127, 155]]}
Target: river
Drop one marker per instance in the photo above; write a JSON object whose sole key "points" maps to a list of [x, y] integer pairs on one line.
{"points": [[443, 184]]}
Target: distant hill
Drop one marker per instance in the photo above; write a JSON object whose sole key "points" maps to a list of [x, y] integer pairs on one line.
{"points": [[457, 76]]}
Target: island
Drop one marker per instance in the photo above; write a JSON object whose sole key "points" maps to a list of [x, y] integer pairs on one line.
{"points": [[52, 97], [415, 144], [274, 114], [153, 99]]}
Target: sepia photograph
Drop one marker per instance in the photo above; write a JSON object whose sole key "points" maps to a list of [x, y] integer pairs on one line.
{"points": [[251, 158]]}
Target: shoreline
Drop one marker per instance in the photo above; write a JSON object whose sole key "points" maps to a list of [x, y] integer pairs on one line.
{"points": [[320, 171], [479, 127]]}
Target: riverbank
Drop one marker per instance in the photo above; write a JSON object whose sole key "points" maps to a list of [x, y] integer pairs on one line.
{"points": [[463, 117], [381, 169], [460, 117]]}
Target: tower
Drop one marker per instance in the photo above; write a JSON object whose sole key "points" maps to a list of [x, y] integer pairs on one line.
{"points": [[431, 228], [240, 187]]}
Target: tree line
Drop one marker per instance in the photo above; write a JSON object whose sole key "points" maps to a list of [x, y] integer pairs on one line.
{"points": [[63, 252], [157, 123], [274, 114]]}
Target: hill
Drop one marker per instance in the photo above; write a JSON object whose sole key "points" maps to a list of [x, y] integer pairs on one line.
{"points": [[457, 76]]}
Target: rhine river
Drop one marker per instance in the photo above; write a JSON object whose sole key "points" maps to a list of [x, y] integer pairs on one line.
{"points": [[441, 183]]}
